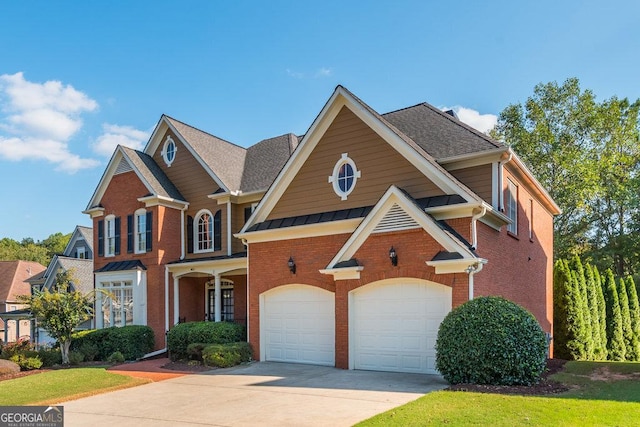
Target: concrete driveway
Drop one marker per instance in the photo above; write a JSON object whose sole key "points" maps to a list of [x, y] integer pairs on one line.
{"points": [[259, 394]]}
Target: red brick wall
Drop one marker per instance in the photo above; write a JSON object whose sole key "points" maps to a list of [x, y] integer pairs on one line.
{"points": [[121, 199], [414, 248], [520, 269]]}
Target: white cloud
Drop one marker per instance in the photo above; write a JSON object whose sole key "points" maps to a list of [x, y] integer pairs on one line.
{"points": [[482, 122], [324, 72], [320, 73], [39, 120], [114, 135]]}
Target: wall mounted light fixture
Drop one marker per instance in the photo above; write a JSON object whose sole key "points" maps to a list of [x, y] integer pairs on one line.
{"points": [[292, 265], [393, 256]]}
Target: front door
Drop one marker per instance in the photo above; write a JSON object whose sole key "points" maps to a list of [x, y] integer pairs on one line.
{"points": [[227, 313]]}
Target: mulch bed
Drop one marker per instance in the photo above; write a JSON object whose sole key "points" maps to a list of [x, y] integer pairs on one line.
{"points": [[544, 387], [187, 367]]}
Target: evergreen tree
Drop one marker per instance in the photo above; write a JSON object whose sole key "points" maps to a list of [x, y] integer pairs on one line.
{"points": [[634, 311], [630, 341], [594, 311], [602, 311], [582, 307], [615, 334], [561, 282]]}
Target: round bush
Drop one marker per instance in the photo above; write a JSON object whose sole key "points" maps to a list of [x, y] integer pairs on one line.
{"points": [[490, 340]]}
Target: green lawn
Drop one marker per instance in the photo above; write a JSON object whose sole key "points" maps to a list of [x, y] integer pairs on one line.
{"points": [[60, 385], [599, 397]]}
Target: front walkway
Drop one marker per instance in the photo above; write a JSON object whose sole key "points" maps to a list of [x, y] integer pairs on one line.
{"points": [[264, 394]]}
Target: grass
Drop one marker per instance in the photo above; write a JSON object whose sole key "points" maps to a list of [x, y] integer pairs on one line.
{"points": [[61, 385], [600, 396]]}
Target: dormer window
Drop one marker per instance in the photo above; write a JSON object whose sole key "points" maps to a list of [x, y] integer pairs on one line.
{"points": [[169, 150], [344, 177], [80, 253]]}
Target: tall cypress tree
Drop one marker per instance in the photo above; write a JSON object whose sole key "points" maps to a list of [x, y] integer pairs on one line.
{"points": [[577, 343], [592, 290], [583, 307], [634, 311], [615, 335], [561, 282], [630, 342], [602, 311]]}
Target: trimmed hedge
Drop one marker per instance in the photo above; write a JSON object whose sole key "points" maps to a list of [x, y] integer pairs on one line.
{"points": [[183, 334], [226, 355], [133, 341], [490, 340]]}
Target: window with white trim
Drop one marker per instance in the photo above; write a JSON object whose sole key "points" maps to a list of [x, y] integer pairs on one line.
{"points": [[110, 235], [169, 150], [344, 177], [511, 203], [117, 303], [204, 232], [81, 253], [140, 231]]}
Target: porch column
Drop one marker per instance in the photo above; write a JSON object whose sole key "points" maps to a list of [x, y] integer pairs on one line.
{"points": [[176, 300], [218, 297], [17, 329], [6, 330]]}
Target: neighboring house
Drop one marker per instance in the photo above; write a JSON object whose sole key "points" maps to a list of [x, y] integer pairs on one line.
{"points": [[14, 319], [76, 258], [345, 247]]}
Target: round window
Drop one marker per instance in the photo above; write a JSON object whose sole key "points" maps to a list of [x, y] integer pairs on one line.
{"points": [[344, 177], [169, 151]]}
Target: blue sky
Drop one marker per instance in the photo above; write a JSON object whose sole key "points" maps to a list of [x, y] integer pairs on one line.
{"points": [[76, 78]]}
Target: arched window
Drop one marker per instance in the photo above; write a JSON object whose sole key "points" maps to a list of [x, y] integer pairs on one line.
{"points": [[207, 231]]}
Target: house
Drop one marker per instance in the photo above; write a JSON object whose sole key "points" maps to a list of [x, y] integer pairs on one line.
{"points": [[14, 319], [344, 247], [77, 258]]}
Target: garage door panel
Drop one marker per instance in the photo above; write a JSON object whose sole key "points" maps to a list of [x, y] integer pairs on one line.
{"points": [[298, 325], [395, 325]]}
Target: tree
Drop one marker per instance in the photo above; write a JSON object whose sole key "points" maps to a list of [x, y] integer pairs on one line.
{"points": [[599, 348], [630, 341], [634, 310], [29, 250], [582, 306], [587, 155], [602, 308], [615, 334], [60, 311]]}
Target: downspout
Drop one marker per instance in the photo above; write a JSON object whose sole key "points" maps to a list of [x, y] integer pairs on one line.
{"points": [[247, 298], [500, 180], [474, 227], [471, 270], [229, 227]]}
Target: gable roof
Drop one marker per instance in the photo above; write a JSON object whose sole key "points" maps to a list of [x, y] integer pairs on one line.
{"points": [[126, 159], [397, 203], [82, 271], [223, 159], [439, 133], [264, 160], [13, 278], [412, 151], [80, 232]]}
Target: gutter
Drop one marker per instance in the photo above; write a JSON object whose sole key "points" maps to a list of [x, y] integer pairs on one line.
{"points": [[471, 270], [474, 226]]}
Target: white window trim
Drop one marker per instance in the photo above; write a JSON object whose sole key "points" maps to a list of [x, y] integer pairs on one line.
{"points": [[512, 206], [196, 234], [137, 232], [333, 179], [109, 223], [138, 280], [81, 253], [167, 142]]}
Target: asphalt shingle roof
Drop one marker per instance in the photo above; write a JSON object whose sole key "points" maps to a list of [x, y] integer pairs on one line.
{"points": [[13, 278], [82, 270], [438, 133], [264, 161], [152, 173], [225, 159]]}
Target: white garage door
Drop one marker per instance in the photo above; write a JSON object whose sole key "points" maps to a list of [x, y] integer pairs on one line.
{"points": [[395, 325], [298, 325]]}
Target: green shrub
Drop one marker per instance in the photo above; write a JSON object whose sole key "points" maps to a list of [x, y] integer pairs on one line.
{"points": [[183, 334], [8, 367], [26, 363], [226, 355], [115, 357], [490, 340], [76, 357], [89, 350], [17, 347], [50, 357], [133, 341], [194, 350]]}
